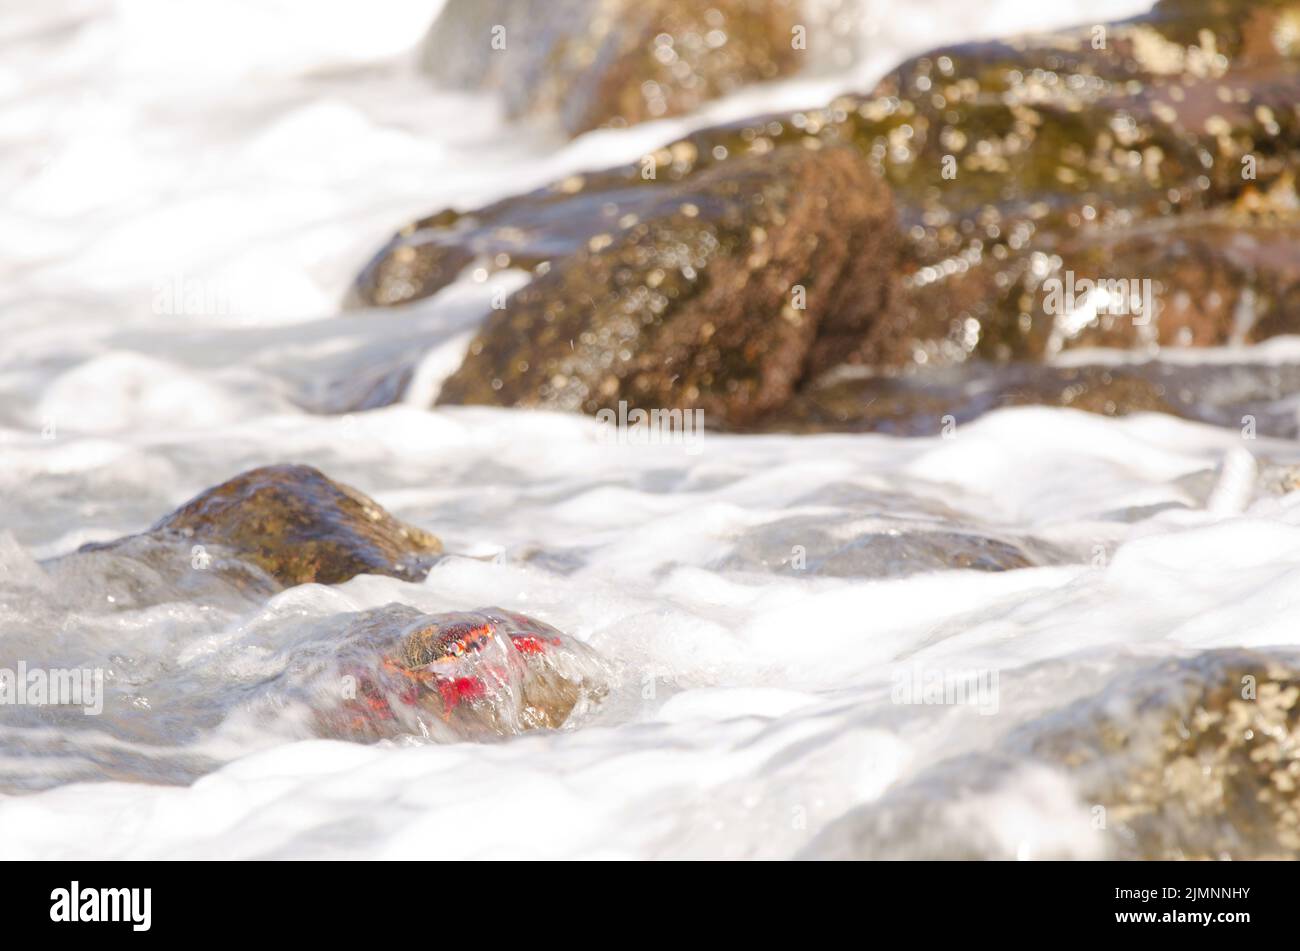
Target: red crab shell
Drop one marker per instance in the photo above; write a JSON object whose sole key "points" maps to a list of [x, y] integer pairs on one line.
{"points": [[450, 663]]}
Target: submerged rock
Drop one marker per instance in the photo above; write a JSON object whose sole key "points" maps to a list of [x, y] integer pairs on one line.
{"points": [[1155, 156], [1190, 758], [467, 675], [881, 547], [285, 675], [289, 523], [1196, 759], [590, 63]]}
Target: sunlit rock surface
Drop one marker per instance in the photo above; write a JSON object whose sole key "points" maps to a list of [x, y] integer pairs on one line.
{"points": [[1190, 758], [590, 63], [721, 294], [1197, 758], [1111, 151], [1154, 156], [290, 523]]}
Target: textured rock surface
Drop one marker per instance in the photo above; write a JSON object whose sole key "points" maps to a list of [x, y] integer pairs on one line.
{"points": [[1197, 759], [1160, 149], [297, 526], [921, 403], [591, 63], [1189, 758], [1064, 156], [722, 294]]}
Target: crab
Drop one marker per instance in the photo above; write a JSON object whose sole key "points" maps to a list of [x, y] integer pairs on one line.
{"points": [[470, 675]]}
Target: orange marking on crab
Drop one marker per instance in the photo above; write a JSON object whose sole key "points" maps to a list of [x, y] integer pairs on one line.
{"points": [[472, 640]]}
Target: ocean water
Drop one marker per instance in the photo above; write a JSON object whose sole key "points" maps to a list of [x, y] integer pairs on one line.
{"points": [[190, 189]]}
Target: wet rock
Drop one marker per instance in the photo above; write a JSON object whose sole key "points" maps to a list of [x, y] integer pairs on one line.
{"points": [[1206, 280], [1187, 758], [1197, 759], [467, 675], [1017, 161], [142, 570], [1101, 391], [922, 403], [883, 547], [590, 63], [289, 523], [1160, 150], [719, 293], [389, 673]]}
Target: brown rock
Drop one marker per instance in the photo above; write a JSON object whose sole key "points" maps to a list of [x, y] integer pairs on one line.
{"points": [[590, 63], [918, 404], [1011, 163], [1187, 758], [694, 300], [1200, 760], [298, 526]]}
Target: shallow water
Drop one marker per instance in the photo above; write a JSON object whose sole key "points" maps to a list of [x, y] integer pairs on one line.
{"points": [[753, 604]]}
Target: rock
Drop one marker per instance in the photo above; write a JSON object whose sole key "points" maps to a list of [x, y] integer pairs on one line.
{"points": [[461, 676], [719, 293], [1014, 162], [1187, 758], [292, 524], [1160, 150], [590, 63], [1122, 163], [922, 404], [1102, 391], [1275, 479], [148, 569], [1213, 282], [880, 546], [919, 403], [1198, 759]]}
